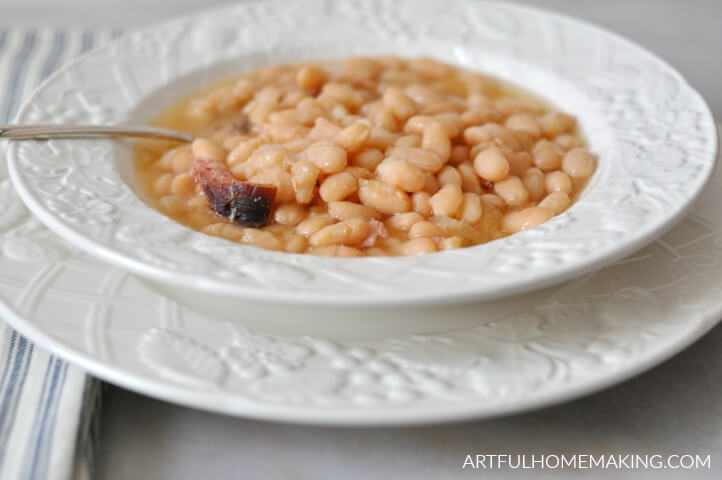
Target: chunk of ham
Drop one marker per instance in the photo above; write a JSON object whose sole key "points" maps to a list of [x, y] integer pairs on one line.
{"points": [[248, 204]]}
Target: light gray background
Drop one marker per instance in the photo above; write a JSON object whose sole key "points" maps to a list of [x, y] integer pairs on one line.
{"points": [[675, 408]]}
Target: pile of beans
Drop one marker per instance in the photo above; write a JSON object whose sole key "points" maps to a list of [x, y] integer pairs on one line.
{"points": [[372, 156]]}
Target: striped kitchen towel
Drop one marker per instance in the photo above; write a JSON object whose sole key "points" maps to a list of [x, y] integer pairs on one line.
{"points": [[48, 409]]}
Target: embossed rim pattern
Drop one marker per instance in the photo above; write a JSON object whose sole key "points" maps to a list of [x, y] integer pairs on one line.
{"points": [[654, 135], [593, 333]]}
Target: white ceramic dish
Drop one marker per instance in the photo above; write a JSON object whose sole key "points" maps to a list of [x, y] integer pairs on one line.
{"points": [[653, 133], [529, 351]]}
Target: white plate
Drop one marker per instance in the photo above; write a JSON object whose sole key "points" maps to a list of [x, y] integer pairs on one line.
{"points": [[529, 351], [653, 133]]}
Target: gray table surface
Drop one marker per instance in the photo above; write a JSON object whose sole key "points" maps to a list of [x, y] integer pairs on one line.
{"points": [[674, 408]]}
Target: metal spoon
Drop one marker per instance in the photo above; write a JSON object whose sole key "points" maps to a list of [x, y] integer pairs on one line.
{"points": [[46, 132]]}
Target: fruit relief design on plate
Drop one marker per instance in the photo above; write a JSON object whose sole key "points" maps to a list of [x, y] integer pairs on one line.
{"points": [[20, 238], [592, 327], [635, 111]]}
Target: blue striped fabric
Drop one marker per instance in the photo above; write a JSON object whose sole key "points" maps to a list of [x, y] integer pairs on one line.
{"points": [[48, 409], [17, 74], [18, 360]]}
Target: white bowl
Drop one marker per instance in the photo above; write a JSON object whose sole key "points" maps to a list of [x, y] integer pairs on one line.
{"points": [[653, 134]]}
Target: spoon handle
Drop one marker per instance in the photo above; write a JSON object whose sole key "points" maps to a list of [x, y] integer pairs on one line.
{"points": [[46, 132]]}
